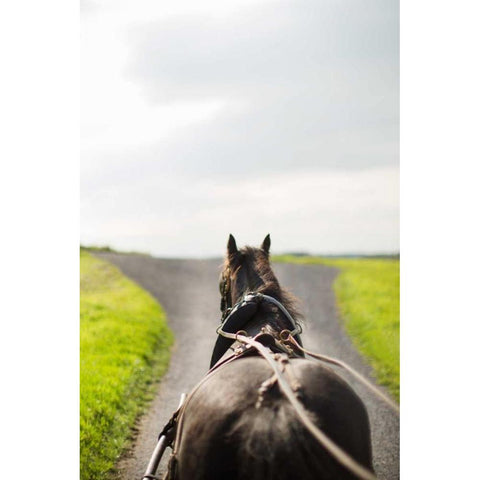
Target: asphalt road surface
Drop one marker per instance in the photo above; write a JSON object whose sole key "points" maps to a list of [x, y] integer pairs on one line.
{"points": [[188, 291]]}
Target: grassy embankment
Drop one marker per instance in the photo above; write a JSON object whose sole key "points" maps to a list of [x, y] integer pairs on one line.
{"points": [[368, 298], [124, 348]]}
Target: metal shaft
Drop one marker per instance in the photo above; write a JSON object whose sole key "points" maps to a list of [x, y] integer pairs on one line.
{"points": [[156, 456]]}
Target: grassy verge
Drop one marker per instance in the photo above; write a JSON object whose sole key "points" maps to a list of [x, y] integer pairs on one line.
{"points": [[368, 297], [124, 348], [108, 249]]}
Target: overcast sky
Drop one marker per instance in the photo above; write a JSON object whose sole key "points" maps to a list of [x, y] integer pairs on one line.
{"points": [[201, 119]]}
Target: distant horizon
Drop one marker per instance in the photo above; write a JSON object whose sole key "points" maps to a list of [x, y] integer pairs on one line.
{"points": [[107, 248]]}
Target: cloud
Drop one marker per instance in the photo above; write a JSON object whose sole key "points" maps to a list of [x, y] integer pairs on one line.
{"points": [[267, 49], [310, 86], [192, 111]]}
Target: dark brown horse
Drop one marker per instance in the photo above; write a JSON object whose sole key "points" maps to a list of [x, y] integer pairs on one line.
{"points": [[238, 425]]}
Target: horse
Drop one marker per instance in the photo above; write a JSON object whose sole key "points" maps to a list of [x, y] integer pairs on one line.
{"points": [[237, 424]]}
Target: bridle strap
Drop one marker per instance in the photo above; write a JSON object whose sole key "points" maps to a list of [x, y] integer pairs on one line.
{"points": [[225, 287]]}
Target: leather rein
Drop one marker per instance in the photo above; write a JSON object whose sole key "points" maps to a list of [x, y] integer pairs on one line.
{"points": [[276, 352], [289, 342]]}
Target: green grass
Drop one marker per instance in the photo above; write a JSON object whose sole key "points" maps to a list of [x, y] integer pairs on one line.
{"points": [[108, 249], [368, 297], [124, 349]]}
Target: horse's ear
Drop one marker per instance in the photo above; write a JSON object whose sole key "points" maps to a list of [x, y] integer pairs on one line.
{"points": [[266, 244], [231, 246]]}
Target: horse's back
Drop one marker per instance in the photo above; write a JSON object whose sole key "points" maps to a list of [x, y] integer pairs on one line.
{"points": [[232, 431]]}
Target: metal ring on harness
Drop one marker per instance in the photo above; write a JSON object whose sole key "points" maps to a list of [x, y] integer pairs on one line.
{"points": [[285, 335], [240, 332]]}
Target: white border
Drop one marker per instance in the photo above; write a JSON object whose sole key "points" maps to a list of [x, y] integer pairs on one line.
{"points": [[39, 98], [439, 239]]}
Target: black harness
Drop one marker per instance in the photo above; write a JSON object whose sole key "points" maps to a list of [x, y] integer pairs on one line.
{"points": [[276, 353], [238, 316]]}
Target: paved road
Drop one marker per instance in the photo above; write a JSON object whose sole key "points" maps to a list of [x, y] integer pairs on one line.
{"points": [[188, 291]]}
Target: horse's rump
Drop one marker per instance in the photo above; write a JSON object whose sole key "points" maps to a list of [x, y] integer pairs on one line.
{"points": [[228, 431]]}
